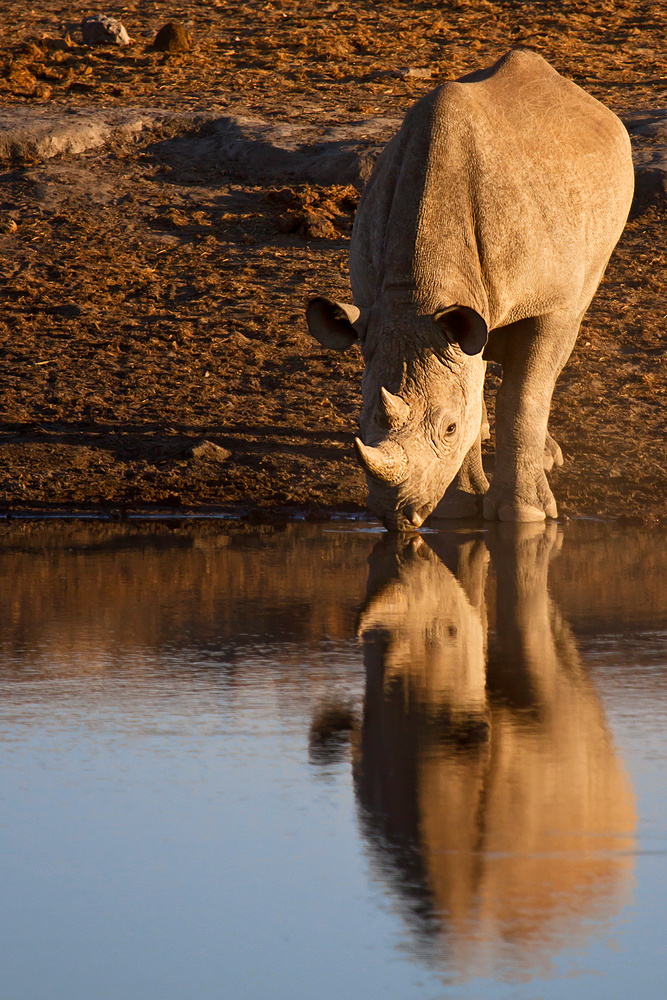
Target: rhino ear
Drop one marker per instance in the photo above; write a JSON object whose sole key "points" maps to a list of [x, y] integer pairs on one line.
{"points": [[464, 327], [331, 323]]}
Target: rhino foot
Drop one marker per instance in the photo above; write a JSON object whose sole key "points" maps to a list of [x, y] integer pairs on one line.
{"points": [[524, 502], [553, 456], [520, 512]]}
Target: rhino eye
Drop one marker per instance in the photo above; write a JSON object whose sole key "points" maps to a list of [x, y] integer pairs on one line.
{"points": [[446, 423]]}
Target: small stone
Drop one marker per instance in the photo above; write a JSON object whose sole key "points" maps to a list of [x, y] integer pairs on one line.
{"points": [[415, 72], [213, 452], [316, 225], [239, 339], [98, 29], [173, 37]]}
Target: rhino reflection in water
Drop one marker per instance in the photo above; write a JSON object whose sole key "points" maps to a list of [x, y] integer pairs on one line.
{"points": [[486, 779]]}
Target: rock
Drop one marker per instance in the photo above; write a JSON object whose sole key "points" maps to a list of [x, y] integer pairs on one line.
{"points": [[316, 225], [210, 451], [173, 37], [415, 72], [27, 135], [284, 148], [239, 339], [270, 150], [98, 29]]}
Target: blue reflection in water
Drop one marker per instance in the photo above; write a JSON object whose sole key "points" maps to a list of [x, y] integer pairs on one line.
{"points": [[211, 788]]}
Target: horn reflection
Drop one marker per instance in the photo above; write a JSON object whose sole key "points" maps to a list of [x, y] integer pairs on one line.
{"points": [[487, 782]]}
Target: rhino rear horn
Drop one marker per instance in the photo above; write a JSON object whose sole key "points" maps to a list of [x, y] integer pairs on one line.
{"points": [[331, 323], [394, 409], [463, 326], [386, 462]]}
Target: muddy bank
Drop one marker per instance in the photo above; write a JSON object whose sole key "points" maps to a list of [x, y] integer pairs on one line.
{"points": [[152, 285]]}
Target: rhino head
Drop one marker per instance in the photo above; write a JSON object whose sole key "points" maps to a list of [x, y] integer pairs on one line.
{"points": [[422, 401]]}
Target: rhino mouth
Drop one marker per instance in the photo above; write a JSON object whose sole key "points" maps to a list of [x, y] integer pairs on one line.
{"points": [[405, 519]]}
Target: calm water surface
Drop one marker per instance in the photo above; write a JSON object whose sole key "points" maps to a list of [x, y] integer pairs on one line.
{"points": [[324, 763]]}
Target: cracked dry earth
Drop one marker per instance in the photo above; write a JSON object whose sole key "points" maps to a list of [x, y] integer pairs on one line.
{"points": [[147, 304]]}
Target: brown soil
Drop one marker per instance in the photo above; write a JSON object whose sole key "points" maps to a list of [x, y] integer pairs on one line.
{"points": [[152, 309]]}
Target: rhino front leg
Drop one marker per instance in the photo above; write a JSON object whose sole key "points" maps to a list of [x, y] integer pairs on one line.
{"points": [[534, 353]]}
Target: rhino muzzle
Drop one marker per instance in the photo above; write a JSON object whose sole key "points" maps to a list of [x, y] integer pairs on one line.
{"points": [[404, 520]]}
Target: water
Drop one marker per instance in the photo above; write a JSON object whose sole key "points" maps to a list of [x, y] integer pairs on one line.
{"points": [[321, 762]]}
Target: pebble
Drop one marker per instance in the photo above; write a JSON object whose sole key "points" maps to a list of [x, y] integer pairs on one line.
{"points": [[98, 29], [239, 339], [414, 71], [173, 37], [209, 450]]}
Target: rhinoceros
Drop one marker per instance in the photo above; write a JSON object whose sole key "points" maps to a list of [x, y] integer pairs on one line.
{"points": [[482, 234]]}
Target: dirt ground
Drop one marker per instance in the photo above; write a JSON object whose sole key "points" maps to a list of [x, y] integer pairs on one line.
{"points": [[152, 309]]}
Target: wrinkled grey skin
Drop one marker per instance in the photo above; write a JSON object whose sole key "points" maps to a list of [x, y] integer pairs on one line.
{"points": [[486, 225]]}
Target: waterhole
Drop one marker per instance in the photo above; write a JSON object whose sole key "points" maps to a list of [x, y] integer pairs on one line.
{"points": [[323, 762]]}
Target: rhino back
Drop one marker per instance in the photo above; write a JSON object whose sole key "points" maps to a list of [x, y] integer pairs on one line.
{"points": [[504, 191]]}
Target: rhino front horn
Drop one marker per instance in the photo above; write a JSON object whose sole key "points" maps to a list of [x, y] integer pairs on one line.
{"points": [[386, 462], [394, 409]]}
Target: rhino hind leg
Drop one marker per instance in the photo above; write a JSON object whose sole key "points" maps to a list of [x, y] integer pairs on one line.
{"points": [[486, 427], [553, 456], [464, 496]]}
